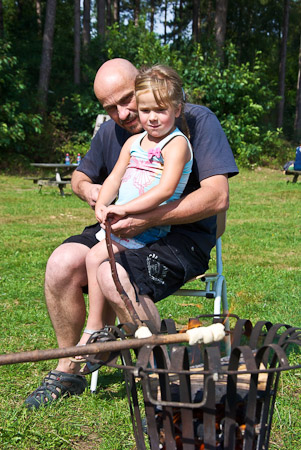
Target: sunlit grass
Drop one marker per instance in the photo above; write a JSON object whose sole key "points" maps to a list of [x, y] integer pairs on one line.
{"points": [[261, 255]]}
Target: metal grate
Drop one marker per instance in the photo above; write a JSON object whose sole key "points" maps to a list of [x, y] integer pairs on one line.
{"points": [[223, 402]]}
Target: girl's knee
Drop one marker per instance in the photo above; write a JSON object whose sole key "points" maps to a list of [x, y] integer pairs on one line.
{"points": [[96, 255], [104, 276]]}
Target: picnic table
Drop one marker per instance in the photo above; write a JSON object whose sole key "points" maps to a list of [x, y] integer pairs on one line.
{"points": [[292, 172], [61, 177]]}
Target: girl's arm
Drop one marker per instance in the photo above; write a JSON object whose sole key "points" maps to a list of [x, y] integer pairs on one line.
{"points": [[110, 187], [176, 155]]}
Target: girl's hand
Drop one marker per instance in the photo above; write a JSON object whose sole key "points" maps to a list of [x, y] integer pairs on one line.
{"points": [[115, 213], [101, 212]]}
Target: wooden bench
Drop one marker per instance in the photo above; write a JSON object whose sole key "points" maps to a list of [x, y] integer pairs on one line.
{"points": [[100, 119], [294, 174]]}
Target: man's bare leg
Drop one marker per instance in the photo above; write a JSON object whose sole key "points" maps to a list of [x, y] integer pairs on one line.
{"points": [[65, 276], [109, 290]]}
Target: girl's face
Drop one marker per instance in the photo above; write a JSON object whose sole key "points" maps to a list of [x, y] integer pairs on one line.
{"points": [[158, 121]]}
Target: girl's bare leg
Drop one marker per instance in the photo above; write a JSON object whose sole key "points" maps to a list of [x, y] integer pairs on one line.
{"points": [[100, 311]]}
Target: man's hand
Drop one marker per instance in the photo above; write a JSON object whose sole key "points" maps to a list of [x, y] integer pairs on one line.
{"points": [[130, 226], [211, 198], [83, 187]]}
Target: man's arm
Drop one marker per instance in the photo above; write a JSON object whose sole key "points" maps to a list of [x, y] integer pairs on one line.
{"points": [[211, 198], [84, 188]]}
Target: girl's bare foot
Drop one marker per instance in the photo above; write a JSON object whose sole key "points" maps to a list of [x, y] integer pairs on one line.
{"points": [[83, 341]]}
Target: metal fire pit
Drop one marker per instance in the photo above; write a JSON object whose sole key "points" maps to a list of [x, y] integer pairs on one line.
{"points": [[225, 402]]}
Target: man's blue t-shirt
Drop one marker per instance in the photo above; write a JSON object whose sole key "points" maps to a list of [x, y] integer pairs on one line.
{"points": [[212, 156]]}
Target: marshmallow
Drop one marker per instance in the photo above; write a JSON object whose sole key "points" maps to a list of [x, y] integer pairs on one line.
{"points": [[143, 332], [206, 335]]}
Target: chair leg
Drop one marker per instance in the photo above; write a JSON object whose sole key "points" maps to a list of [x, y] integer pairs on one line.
{"points": [[94, 379], [221, 300], [227, 321], [218, 287]]}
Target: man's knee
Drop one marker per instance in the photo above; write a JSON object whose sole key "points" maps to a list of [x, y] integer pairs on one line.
{"points": [[66, 261]]}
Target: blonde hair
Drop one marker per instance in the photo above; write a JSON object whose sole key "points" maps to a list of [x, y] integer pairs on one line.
{"points": [[166, 86]]}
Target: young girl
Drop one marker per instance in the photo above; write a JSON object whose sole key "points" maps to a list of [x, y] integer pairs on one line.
{"points": [[153, 168]]}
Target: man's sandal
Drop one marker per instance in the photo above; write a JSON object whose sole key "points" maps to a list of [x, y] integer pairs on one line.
{"points": [[83, 358], [54, 386]]}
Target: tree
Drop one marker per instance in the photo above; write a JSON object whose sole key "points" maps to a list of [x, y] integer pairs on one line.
{"points": [[109, 13], [101, 11], [45, 67], [1, 21], [152, 15], [39, 14], [195, 20], [297, 122], [220, 25], [282, 64], [136, 12], [86, 24], [76, 42]]}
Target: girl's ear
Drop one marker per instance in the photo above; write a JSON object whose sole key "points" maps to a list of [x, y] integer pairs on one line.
{"points": [[178, 111]]}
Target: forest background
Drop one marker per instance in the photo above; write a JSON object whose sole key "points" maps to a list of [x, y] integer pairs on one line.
{"points": [[240, 58]]}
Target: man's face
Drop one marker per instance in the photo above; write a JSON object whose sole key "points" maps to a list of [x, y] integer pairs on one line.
{"points": [[120, 103]]}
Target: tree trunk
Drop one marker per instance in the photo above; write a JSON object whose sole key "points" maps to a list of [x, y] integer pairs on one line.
{"points": [[136, 12], [165, 20], [101, 14], [116, 11], [195, 20], [109, 13], [220, 26], [86, 23], [1, 21], [152, 15], [45, 68], [297, 123], [39, 14], [209, 25], [283, 63], [77, 42]]}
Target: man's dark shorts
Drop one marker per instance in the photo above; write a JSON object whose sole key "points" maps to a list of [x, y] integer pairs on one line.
{"points": [[160, 268]]}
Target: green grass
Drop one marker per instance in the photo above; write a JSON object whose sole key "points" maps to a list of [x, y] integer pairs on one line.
{"points": [[261, 255]]}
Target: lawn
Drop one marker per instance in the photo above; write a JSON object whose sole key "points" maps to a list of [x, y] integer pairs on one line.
{"points": [[261, 255]]}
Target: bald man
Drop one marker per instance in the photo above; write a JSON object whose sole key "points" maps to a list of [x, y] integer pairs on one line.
{"points": [[155, 271]]}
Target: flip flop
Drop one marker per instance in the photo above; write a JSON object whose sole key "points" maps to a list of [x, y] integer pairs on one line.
{"points": [[59, 384], [82, 358], [93, 361]]}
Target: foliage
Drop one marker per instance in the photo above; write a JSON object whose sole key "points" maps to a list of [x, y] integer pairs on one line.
{"points": [[243, 93], [241, 99], [137, 44], [18, 125]]}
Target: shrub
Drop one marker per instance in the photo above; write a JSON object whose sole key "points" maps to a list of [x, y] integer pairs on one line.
{"points": [[239, 97], [18, 125]]}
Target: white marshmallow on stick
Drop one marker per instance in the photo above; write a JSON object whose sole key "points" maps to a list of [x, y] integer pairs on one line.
{"points": [[143, 332], [206, 335]]}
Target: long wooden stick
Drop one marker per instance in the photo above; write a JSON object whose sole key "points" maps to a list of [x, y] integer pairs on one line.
{"points": [[91, 349], [119, 287]]}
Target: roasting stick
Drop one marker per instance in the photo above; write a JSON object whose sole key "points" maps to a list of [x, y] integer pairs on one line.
{"points": [[142, 330], [205, 334], [119, 287]]}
